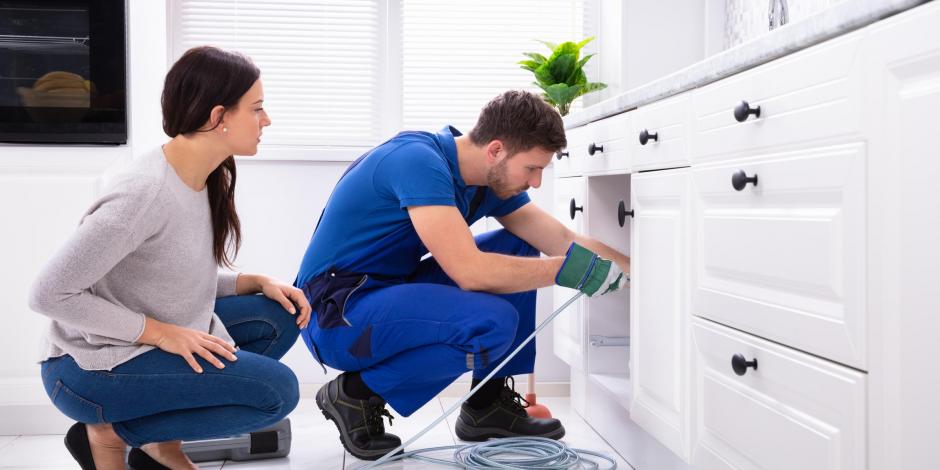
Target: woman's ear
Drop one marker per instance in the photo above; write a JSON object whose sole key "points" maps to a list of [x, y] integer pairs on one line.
{"points": [[215, 117]]}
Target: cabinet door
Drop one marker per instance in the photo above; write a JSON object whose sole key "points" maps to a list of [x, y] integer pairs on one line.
{"points": [[904, 211], [783, 256], [569, 330], [659, 306], [762, 406]]}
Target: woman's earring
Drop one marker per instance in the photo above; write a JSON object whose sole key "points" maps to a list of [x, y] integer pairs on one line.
{"points": [[225, 129]]}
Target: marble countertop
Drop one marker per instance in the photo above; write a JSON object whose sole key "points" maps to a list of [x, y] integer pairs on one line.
{"points": [[834, 21]]}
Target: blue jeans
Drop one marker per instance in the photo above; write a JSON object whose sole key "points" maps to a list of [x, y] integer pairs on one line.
{"points": [[157, 397], [411, 340]]}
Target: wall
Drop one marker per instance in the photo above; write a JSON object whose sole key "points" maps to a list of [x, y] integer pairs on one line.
{"points": [[45, 189]]}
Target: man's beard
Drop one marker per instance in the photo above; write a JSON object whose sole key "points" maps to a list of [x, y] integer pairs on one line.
{"points": [[496, 180]]}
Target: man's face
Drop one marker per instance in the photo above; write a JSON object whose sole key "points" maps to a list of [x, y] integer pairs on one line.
{"points": [[518, 172]]}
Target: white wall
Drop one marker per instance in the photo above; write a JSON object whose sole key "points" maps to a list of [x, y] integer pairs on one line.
{"points": [[45, 189]]}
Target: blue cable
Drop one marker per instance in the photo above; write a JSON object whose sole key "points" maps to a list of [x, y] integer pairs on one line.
{"points": [[539, 453]]}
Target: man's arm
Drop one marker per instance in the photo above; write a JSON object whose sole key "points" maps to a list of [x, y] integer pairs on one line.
{"points": [[445, 233], [551, 237]]}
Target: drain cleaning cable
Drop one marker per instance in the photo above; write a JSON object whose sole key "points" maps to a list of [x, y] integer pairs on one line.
{"points": [[538, 453]]}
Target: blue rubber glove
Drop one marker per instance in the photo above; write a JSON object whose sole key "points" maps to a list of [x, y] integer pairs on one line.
{"points": [[587, 272]]}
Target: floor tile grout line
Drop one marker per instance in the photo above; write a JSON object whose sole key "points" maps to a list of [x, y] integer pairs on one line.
{"points": [[15, 438]]}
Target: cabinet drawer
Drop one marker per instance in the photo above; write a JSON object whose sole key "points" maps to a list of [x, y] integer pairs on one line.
{"points": [[608, 140], [791, 411], [813, 94], [785, 258], [564, 162], [660, 135]]}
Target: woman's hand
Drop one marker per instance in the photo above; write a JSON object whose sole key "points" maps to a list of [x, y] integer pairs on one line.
{"points": [[187, 342], [288, 296]]}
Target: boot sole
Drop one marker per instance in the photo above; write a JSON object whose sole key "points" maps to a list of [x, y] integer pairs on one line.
{"points": [[331, 414], [469, 433]]}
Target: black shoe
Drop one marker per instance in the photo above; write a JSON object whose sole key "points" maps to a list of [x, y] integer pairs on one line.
{"points": [[76, 441], [360, 424], [505, 417], [139, 460]]}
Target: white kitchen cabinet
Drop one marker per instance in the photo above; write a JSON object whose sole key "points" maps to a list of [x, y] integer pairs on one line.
{"points": [[783, 309], [903, 71], [765, 406], [659, 306], [569, 330]]}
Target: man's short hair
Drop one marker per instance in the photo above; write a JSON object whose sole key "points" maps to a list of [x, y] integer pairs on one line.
{"points": [[521, 121]]}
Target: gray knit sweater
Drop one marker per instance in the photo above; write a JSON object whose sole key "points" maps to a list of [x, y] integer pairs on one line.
{"points": [[143, 249]]}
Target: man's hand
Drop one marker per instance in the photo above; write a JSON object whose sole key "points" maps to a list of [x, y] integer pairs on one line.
{"points": [[585, 271]]}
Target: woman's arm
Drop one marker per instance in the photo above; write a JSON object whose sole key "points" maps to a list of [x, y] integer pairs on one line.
{"points": [[282, 293], [62, 291]]}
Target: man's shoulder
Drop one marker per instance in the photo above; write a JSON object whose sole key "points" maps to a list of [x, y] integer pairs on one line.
{"points": [[411, 150]]}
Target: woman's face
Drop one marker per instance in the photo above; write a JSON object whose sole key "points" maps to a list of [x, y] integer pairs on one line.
{"points": [[246, 122]]}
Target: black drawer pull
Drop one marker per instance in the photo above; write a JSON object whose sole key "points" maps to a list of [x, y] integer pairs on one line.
{"points": [[593, 148], [740, 180], [743, 111], [622, 213], [645, 137], [573, 208], [561, 153], [740, 364]]}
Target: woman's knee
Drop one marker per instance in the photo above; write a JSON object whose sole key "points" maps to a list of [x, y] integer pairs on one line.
{"points": [[282, 381], [258, 324]]}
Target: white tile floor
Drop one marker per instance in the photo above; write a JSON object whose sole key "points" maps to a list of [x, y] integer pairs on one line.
{"points": [[316, 441]]}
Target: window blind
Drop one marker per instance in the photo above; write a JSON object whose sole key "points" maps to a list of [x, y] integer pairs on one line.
{"points": [[321, 61], [457, 55]]}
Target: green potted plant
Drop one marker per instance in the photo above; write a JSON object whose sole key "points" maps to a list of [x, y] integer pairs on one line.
{"points": [[561, 76]]}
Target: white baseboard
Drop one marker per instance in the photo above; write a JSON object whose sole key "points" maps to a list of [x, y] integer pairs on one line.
{"points": [[26, 409]]}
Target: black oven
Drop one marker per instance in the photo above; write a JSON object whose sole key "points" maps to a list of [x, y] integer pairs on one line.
{"points": [[63, 71]]}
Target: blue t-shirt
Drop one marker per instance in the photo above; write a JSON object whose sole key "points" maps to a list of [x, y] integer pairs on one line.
{"points": [[365, 227]]}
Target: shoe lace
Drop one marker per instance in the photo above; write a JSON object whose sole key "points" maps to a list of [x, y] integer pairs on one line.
{"points": [[374, 412], [512, 399]]}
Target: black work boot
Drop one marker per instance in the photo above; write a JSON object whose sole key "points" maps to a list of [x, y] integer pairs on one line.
{"points": [[505, 417], [360, 424]]}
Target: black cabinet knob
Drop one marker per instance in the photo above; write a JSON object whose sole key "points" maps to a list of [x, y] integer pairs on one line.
{"points": [[743, 110], [740, 364], [561, 153], [740, 180], [593, 148], [645, 137], [622, 213], [573, 208]]}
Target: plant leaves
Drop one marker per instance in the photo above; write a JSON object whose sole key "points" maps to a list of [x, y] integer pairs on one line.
{"points": [[529, 65], [584, 42], [535, 56], [561, 76], [563, 94], [550, 45], [597, 86], [584, 60], [544, 75], [563, 67]]}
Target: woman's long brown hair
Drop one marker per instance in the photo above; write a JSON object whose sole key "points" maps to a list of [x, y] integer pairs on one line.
{"points": [[205, 77]]}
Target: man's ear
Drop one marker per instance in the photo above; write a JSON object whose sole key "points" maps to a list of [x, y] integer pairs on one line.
{"points": [[493, 150]]}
